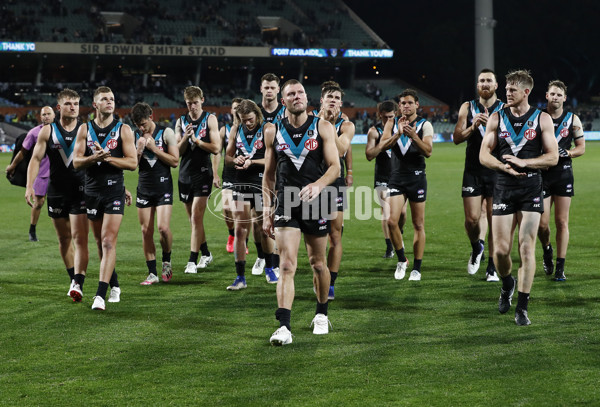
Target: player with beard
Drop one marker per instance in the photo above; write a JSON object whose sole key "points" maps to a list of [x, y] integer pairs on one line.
{"points": [[105, 147], [522, 139], [302, 151], [558, 180], [478, 181]]}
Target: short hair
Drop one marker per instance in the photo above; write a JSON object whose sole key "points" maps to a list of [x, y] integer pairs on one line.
{"points": [[559, 84], [193, 92], [330, 83], [387, 106], [248, 106], [67, 93], [140, 111], [290, 82], [330, 88], [269, 77], [488, 70], [521, 77], [101, 89], [236, 100], [409, 92]]}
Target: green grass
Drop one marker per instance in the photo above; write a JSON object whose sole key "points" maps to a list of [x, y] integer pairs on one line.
{"points": [[437, 342]]}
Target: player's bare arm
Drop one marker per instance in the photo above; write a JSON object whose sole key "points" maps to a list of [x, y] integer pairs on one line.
{"points": [[268, 182], [213, 145], [331, 158]]}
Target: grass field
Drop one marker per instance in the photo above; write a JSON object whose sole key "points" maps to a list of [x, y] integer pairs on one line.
{"points": [[437, 342]]}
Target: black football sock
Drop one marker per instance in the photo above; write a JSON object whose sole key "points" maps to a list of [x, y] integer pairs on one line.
{"points": [[284, 316], [417, 265], [102, 288], [522, 301], [204, 249], [400, 255], [193, 257], [166, 256], [240, 268], [71, 271], [151, 266], [508, 282], [322, 308], [114, 279], [334, 276], [259, 251]]}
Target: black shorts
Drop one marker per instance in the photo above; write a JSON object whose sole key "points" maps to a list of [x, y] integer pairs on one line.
{"points": [[150, 200], [558, 181], [61, 206], [341, 199], [98, 205], [254, 197], [474, 184], [524, 199], [201, 185], [379, 184], [227, 185], [414, 187], [312, 218]]}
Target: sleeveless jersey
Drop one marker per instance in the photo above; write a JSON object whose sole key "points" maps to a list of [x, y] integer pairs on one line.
{"points": [[250, 143], [195, 160], [563, 131], [407, 158], [383, 161], [472, 162], [299, 153], [228, 174], [521, 137], [103, 178], [64, 178], [153, 172], [275, 116]]}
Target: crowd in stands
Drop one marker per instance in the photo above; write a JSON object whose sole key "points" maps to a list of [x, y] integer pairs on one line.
{"points": [[237, 28]]}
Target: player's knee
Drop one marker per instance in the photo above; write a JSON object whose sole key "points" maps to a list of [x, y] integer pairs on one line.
{"points": [[64, 240], [147, 231], [562, 225], [108, 242], [392, 223], [286, 267], [501, 249], [471, 223], [164, 230], [317, 264], [419, 227]]}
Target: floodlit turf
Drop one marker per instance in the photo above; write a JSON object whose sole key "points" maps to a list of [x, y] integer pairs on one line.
{"points": [[440, 341]]}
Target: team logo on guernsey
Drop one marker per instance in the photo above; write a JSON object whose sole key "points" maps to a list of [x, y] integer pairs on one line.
{"points": [[530, 134], [519, 136], [258, 144], [311, 144], [282, 147], [111, 144], [564, 133], [504, 134]]}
